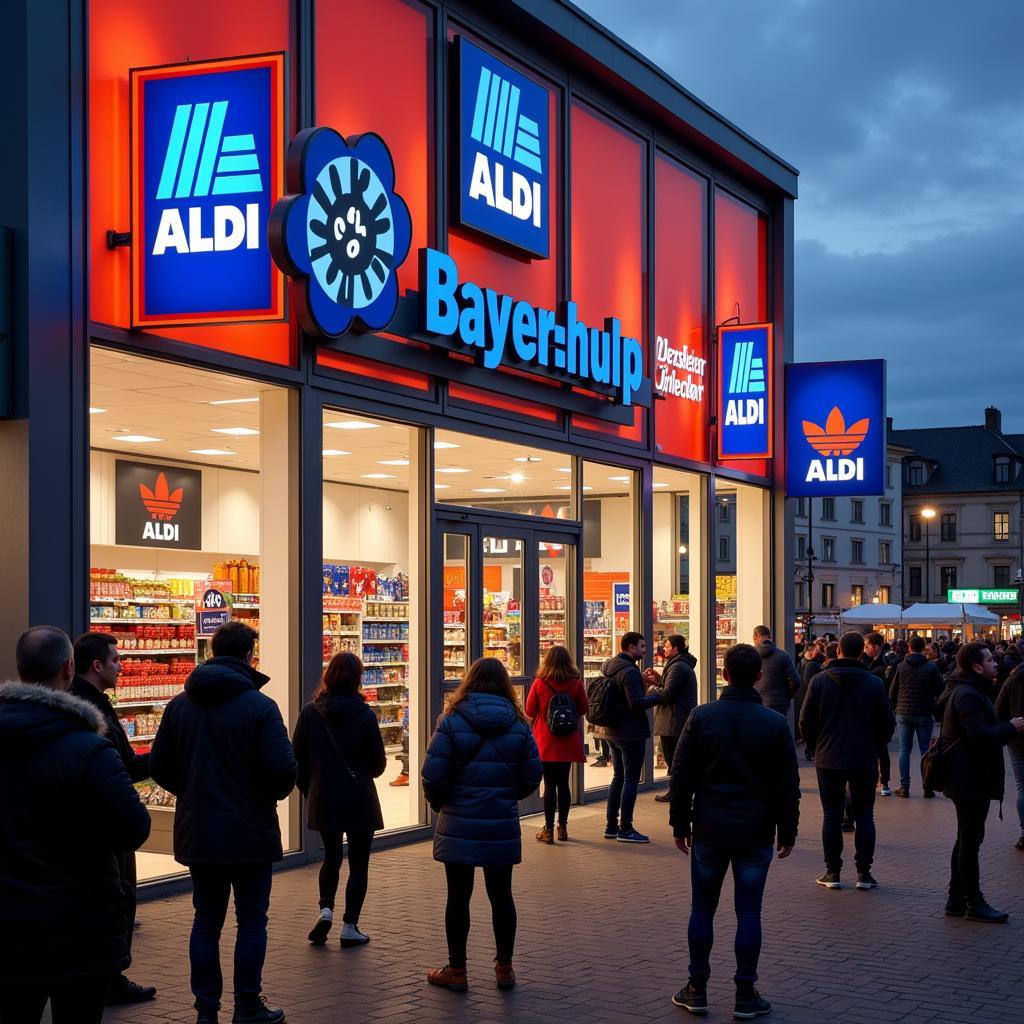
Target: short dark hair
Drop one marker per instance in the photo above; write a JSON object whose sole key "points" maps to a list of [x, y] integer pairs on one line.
{"points": [[875, 638], [630, 639], [743, 664], [676, 641], [763, 631], [90, 647], [916, 643], [234, 640], [851, 645], [41, 652], [972, 654]]}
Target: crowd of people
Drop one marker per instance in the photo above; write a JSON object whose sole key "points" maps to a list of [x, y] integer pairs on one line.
{"points": [[67, 881]]}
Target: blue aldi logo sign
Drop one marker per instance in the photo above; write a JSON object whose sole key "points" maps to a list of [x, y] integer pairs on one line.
{"points": [[207, 165], [502, 164], [745, 391], [835, 428]]}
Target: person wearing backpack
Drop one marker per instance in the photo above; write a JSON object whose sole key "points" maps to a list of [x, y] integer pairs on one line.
{"points": [[625, 710], [677, 697], [480, 762], [555, 705], [340, 751], [972, 739]]}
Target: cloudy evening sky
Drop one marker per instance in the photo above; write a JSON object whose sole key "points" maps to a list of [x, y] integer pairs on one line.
{"points": [[905, 119]]}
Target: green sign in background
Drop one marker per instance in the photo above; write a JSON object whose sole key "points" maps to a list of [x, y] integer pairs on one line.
{"points": [[973, 596]]}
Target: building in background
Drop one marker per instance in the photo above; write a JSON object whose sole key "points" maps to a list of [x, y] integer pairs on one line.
{"points": [[963, 499]]}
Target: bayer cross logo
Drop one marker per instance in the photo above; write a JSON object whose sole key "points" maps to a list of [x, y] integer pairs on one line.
{"points": [[747, 376], [343, 228]]}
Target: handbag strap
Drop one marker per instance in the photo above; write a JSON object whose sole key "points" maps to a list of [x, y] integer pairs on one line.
{"points": [[341, 757]]}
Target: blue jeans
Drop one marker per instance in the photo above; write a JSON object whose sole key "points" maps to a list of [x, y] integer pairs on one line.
{"points": [[1017, 767], [211, 889], [627, 764], [908, 727], [708, 865]]}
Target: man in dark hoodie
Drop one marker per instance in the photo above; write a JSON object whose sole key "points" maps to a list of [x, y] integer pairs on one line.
{"points": [[223, 751], [627, 738], [973, 738], [779, 681], [846, 719], [677, 697], [67, 809], [97, 666], [875, 660], [915, 689], [1009, 705]]}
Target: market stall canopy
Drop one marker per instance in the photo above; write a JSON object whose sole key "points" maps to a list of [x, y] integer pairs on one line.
{"points": [[948, 615], [873, 615]]}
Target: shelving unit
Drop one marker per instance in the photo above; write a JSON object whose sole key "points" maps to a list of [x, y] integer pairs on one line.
{"points": [[597, 637]]}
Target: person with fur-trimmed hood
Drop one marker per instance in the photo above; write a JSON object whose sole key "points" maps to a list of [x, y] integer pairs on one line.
{"points": [[67, 810]]}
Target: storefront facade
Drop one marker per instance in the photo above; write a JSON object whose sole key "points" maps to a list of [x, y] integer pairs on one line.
{"points": [[532, 457]]}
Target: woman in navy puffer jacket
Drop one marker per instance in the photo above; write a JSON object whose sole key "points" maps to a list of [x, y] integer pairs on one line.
{"points": [[481, 761]]}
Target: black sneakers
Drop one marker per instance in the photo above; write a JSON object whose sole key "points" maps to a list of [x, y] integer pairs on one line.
{"points": [[663, 798], [693, 999], [865, 880], [956, 907], [750, 1005], [258, 1013], [124, 992], [830, 880], [630, 835], [981, 911], [611, 830]]}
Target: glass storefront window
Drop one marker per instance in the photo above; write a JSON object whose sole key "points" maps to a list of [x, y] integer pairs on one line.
{"points": [[190, 484], [503, 602], [372, 594]]}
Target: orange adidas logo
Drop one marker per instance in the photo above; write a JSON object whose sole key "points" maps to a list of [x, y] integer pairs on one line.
{"points": [[836, 438], [161, 504]]}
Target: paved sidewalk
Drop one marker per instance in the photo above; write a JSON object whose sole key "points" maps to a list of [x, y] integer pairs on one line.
{"points": [[602, 935]]}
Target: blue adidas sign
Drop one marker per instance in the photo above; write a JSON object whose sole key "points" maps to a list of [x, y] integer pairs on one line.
{"points": [[211, 167], [503, 162]]}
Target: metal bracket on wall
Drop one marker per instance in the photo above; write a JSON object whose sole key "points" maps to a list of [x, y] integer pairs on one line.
{"points": [[116, 239], [6, 341]]}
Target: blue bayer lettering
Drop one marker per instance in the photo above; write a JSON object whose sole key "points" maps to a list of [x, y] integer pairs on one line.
{"points": [[441, 278], [472, 326], [499, 311], [632, 369], [600, 357], [524, 329]]}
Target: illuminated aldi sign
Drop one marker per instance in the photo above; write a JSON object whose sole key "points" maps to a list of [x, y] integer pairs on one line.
{"points": [[157, 506], [207, 165], [502, 164], [745, 391], [975, 596], [835, 428]]}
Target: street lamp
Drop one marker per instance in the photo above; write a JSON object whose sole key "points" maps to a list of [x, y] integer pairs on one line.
{"points": [[927, 514]]}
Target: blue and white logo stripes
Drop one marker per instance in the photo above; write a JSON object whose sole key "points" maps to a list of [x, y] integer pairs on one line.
{"points": [[499, 125], [747, 377], [201, 160]]}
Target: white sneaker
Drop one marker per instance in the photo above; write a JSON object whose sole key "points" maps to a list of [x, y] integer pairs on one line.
{"points": [[320, 931], [886, 791], [352, 936]]}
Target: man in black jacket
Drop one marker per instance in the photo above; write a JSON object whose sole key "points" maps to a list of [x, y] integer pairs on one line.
{"points": [[223, 751], [67, 809], [846, 719], [735, 794], [627, 738], [779, 680], [1010, 704], [973, 738], [677, 697], [875, 660], [915, 688], [97, 666]]}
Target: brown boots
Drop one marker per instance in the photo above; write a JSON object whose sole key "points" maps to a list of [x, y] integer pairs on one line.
{"points": [[545, 835], [454, 978]]}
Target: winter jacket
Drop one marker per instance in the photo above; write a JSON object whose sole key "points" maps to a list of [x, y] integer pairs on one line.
{"points": [[676, 693], [735, 780], [555, 748], [916, 687], [975, 765], [846, 718], [67, 809], [876, 666], [779, 681], [809, 668], [336, 802], [633, 724], [223, 751], [137, 765], [1010, 704], [481, 761]]}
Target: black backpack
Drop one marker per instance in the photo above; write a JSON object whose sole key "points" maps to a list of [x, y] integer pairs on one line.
{"points": [[562, 718], [605, 705]]}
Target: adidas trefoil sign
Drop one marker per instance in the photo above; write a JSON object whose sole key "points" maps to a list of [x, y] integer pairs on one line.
{"points": [[836, 439]]}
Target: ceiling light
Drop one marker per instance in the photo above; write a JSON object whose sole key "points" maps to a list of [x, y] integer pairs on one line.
{"points": [[682, 549], [619, 479], [378, 476], [336, 451], [95, 409], [563, 469], [488, 490], [438, 445], [211, 451], [527, 458], [515, 476], [442, 487], [235, 431], [135, 438], [392, 462], [353, 425], [568, 487], [234, 401], [450, 469], [661, 485]]}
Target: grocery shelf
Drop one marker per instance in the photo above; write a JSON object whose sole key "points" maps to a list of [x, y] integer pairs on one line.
{"points": [[142, 739], [381, 618], [141, 600], [145, 622], [159, 702], [132, 652], [382, 664], [340, 632]]}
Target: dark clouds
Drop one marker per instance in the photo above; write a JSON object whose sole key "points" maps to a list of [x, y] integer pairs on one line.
{"points": [[906, 121]]}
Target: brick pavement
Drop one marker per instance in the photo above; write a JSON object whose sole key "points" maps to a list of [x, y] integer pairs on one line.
{"points": [[602, 935]]}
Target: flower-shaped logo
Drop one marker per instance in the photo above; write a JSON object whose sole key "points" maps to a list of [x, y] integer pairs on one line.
{"points": [[161, 503], [836, 438], [342, 228]]}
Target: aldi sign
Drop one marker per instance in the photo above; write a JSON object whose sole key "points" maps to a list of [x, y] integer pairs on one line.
{"points": [[745, 392], [157, 506], [502, 165], [835, 428], [207, 165]]}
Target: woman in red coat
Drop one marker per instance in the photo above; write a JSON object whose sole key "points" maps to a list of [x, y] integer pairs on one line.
{"points": [[557, 679]]}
